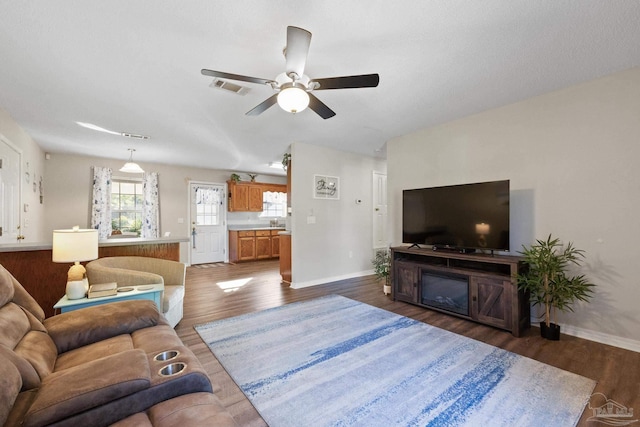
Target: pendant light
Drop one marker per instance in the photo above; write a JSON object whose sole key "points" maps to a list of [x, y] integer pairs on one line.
{"points": [[130, 166]]}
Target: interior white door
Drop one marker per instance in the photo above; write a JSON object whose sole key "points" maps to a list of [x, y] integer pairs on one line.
{"points": [[380, 239], [208, 222], [10, 159]]}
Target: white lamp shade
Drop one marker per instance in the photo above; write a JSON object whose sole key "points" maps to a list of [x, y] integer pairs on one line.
{"points": [[293, 99], [131, 167], [483, 228], [75, 245]]}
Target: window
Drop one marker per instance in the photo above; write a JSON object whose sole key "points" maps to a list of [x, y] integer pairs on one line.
{"points": [[274, 204], [208, 203], [126, 207]]}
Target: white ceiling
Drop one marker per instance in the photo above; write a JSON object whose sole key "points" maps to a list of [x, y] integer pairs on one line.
{"points": [[134, 66]]}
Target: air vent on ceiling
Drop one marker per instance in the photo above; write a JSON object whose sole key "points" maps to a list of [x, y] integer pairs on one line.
{"points": [[228, 86], [134, 135]]}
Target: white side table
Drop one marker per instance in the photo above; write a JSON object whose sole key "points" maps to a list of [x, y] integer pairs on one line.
{"points": [[150, 292]]}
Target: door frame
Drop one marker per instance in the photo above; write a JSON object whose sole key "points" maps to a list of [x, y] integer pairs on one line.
{"points": [[19, 205], [374, 214], [225, 210]]}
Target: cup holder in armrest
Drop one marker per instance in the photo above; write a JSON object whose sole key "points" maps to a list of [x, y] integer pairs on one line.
{"points": [[166, 355], [172, 369]]}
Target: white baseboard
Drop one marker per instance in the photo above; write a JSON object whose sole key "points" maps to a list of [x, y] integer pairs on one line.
{"points": [[325, 280], [601, 337]]}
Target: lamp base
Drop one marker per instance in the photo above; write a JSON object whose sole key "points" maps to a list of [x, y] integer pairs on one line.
{"points": [[76, 289]]}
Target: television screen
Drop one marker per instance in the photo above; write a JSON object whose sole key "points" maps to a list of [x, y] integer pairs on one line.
{"points": [[468, 216]]}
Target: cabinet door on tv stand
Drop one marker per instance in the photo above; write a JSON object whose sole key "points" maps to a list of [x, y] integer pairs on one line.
{"points": [[405, 282], [491, 301]]}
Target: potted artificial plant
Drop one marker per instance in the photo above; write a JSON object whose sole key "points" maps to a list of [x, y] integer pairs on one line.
{"points": [[548, 282], [382, 268]]}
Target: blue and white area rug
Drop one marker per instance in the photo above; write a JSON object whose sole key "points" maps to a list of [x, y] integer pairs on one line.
{"points": [[333, 361]]}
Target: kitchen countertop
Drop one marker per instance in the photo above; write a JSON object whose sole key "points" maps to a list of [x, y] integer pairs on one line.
{"points": [[244, 227], [40, 246]]}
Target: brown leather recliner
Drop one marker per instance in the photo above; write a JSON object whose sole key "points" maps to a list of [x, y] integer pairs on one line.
{"points": [[97, 366]]}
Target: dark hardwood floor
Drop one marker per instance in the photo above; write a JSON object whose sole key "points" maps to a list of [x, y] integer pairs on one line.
{"points": [[230, 290]]}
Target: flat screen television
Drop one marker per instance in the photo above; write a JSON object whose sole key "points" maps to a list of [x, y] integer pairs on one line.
{"points": [[460, 217]]}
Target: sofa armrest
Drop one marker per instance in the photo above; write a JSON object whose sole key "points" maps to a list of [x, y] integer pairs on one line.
{"points": [[92, 324], [173, 272], [78, 389], [122, 276]]}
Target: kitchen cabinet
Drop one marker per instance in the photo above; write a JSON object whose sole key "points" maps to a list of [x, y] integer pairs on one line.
{"points": [[285, 257], [263, 244], [242, 245], [247, 196], [275, 243], [252, 245]]}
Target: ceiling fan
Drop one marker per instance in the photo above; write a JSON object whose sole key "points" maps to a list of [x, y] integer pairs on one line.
{"points": [[294, 89]]}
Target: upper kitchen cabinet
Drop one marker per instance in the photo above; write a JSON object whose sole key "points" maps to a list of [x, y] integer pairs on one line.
{"points": [[247, 196]]}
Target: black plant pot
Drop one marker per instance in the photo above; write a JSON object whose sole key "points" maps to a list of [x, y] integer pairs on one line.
{"points": [[551, 332]]}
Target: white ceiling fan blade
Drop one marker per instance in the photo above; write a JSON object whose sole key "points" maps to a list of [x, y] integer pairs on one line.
{"points": [[298, 41]]}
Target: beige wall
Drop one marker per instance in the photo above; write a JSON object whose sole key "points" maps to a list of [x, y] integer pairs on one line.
{"points": [[572, 158], [339, 244]]}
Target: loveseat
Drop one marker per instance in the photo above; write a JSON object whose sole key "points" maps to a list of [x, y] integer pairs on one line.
{"points": [[137, 270], [114, 363]]}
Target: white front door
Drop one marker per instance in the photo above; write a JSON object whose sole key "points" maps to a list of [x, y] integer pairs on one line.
{"points": [[208, 222], [380, 239], [10, 159]]}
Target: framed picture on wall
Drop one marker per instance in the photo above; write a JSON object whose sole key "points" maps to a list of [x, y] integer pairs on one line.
{"points": [[326, 187]]}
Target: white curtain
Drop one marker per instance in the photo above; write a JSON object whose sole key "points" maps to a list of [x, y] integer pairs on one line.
{"points": [[151, 206], [208, 196], [101, 202]]}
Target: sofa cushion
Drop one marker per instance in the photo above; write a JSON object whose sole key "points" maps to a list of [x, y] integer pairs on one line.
{"points": [[196, 409], [20, 295], [173, 295], [93, 384], [94, 351], [156, 339], [88, 325], [10, 384], [189, 410], [28, 374], [136, 420], [6, 287], [21, 332], [38, 349], [14, 324]]}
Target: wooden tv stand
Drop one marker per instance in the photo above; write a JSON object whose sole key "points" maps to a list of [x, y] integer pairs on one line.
{"points": [[493, 294]]}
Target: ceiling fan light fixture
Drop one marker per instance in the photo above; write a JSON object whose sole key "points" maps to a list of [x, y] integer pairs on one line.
{"points": [[131, 166], [293, 98]]}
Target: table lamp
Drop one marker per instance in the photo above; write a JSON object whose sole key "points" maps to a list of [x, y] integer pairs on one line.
{"points": [[75, 245]]}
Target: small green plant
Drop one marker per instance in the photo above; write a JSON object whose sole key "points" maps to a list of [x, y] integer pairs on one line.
{"points": [[286, 158], [235, 177], [382, 265], [547, 280]]}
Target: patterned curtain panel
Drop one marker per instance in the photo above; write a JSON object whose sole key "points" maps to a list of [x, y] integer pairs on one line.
{"points": [[101, 206], [208, 195], [151, 207]]}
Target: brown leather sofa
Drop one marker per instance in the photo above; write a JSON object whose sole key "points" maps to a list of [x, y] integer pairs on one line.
{"points": [[114, 363]]}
